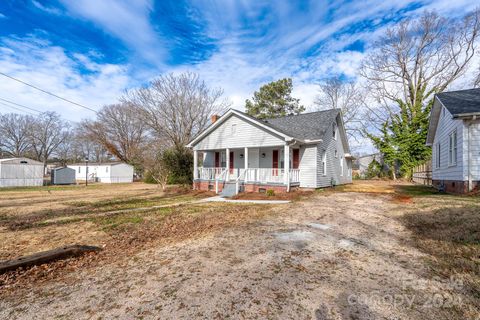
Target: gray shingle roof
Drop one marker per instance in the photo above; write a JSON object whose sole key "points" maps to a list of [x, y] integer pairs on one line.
{"points": [[311, 126], [461, 102]]}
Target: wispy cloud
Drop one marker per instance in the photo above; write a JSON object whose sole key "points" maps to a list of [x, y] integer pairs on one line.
{"points": [[49, 10], [127, 21], [2, 16]]}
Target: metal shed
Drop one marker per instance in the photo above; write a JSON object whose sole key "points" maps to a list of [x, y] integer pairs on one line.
{"points": [[20, 172], [63, 175]]}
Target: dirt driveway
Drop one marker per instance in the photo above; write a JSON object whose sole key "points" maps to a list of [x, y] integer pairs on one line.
{"points": [[342, 255]]}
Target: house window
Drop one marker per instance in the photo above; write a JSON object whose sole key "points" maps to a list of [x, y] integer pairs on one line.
{"points": [[336, 153], [234, 129], [106, 169], [437, 156], [452, 149], [341, 166], [223, 159], [79, 169], [334, 131], [324, 162]]}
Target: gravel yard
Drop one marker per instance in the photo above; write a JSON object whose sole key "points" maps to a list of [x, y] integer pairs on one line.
{"points": [[345, 254]]}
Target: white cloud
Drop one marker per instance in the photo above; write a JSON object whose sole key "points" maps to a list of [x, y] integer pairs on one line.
{"points": [[127, 21], [2, 16], [50, 10], [42, 64]]}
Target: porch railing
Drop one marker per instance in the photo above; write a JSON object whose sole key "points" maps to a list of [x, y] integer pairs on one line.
{"points": [[261, 175]]}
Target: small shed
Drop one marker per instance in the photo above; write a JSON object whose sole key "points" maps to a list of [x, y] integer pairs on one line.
{"points": [[63, 175], [20, 172]]}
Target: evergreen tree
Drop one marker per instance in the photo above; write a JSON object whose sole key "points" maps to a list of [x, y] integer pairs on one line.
{"points": [[274, 100]]}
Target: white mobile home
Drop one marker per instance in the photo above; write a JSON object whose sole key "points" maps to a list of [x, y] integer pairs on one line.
{"points": [[308, 151], [108, 172], [454, 134], [20, 172]]}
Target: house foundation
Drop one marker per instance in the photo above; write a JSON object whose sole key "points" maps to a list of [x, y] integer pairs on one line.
{"points": [[455, 186]]}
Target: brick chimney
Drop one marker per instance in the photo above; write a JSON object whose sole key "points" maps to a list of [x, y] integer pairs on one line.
{"points": [[214, 118]]}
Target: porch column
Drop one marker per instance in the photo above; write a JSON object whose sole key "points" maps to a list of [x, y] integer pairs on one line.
{"points": [[227, 156], [286, 161], [246, 163], [195, 164]]}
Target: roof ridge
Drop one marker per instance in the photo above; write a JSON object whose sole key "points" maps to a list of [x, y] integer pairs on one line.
{"points": [[302, 114]]}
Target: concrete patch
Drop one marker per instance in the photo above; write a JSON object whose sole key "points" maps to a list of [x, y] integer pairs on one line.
{"points": [[297, 235], [319, 226]]}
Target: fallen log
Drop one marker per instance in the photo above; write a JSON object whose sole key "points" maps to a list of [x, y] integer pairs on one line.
{"points": [[45, 257]]}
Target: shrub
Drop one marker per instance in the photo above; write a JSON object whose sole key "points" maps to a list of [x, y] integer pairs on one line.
{"points": [[270, 192]]}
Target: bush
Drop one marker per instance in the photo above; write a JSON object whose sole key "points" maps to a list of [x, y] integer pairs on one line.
{"points": [[179, 164], [374, 170], [270, 192]]}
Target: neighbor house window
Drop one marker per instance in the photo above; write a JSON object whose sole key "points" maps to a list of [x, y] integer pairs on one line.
{"points": [[452, 148], [341, 166], [106, 169], [336, 153], [334, 131], [79, 169], [437, 156], [324, 162]]}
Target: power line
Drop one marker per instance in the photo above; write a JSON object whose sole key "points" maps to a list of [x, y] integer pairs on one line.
{"points": [[20, 105], [17, 109], [47, 92]]}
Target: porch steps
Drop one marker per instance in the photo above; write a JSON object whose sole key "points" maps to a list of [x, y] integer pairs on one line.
{"points": [[228, 190]]}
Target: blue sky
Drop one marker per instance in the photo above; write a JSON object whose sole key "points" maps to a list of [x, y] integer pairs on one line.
{"points": [[90, 51]]}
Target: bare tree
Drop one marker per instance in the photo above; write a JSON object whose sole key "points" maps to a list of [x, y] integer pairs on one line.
{"points": [[14, 134], [120, 130], [176, 108], [416, 59], [47, 133], [84, 147], [346, 96]]}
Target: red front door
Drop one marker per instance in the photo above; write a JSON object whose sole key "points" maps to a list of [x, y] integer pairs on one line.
{"points": [[275, 162], [296, 158], [217, 159], [231, 161]]}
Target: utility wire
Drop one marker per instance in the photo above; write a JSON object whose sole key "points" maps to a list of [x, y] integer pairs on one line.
{"points": [[17, 109], [47, 92], [20, 105]]}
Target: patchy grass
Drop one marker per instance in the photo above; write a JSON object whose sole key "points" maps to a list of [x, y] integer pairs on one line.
{"points": [[450, 236], [51, 188]]}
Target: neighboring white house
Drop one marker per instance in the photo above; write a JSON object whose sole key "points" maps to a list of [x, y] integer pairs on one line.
{"points": [[250, 154], [454, 134], [108, 172], [20, 172]]}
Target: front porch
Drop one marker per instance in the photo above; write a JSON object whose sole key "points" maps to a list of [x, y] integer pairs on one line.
{"points": [[248, 169]]}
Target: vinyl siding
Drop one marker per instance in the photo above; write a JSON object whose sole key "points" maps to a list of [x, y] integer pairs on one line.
{"points": [[333, 170], [446, 126], [308, 166], [246, 134]]}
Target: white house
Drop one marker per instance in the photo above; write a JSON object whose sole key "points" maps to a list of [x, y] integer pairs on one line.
{"points": [[108, 172], [239, 152], [454, 134], [20, 172]]}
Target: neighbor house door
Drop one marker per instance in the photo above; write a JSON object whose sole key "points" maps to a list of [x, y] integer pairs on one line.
{"points": [[217, 159], [231, 162], [275, 162], [296, 158]]}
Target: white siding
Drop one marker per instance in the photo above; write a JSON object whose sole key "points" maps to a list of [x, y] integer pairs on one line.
{"points": [[308, 166], [446, 126], [120, 173], [333, 171], [246, 134]]}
